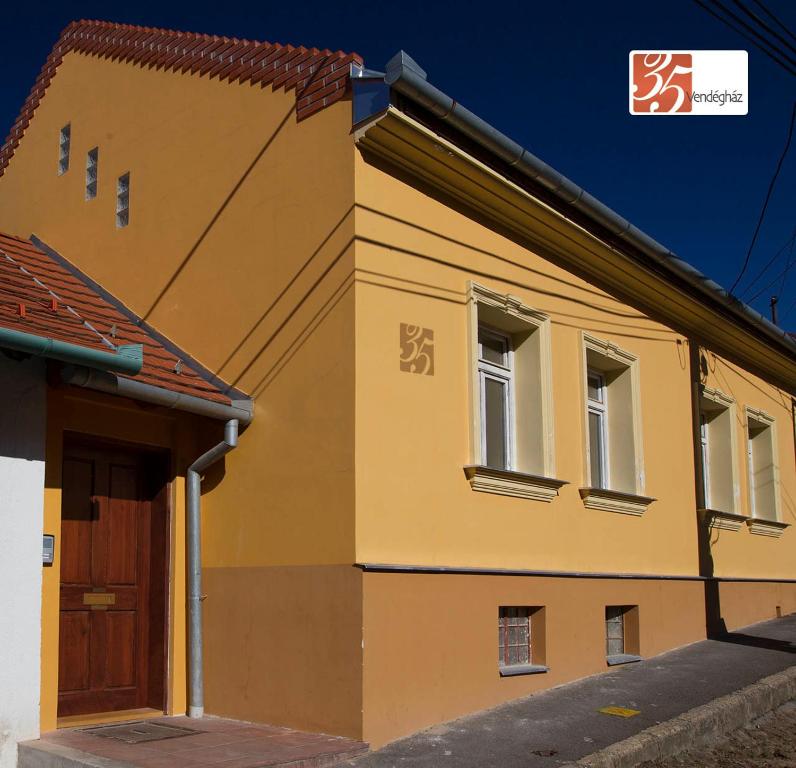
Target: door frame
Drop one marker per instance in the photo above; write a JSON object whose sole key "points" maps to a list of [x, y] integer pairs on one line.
{"points": [[162, 460]]}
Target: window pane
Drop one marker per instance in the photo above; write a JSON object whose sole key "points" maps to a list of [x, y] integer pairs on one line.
{"points": [[493, 347], [596, 450], [614, 630], [595, 388], [495, 422]]}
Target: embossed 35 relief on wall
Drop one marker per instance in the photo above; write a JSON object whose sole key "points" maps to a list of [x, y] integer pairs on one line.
{"points": [[417, 349]]}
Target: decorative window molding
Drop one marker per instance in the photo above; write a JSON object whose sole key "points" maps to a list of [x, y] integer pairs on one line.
{"points": [[763, 474], [612, 402], [772, 528], [615, 501], [721, 490], [726, 521], [509, 483], [527, 372]]}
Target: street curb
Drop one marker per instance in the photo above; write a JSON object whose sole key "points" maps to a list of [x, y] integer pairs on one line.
{"points": [[698, 726]]}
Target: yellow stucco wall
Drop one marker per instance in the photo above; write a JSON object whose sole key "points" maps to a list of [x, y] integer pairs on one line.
{"points": [[747, 554], [285, 262], [413, 502], [239, 249]]}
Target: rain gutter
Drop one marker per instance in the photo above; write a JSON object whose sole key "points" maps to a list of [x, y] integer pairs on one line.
{"points": [[127, 358], [405, 77]]}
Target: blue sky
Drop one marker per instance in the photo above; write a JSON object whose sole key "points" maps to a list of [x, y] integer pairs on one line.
{"points": [[553, 76]]}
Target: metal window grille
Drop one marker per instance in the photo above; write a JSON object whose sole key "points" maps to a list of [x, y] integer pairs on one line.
{"points": [[123, 200], [92, 162], [514, 636], [64, 140], [614, 630]]}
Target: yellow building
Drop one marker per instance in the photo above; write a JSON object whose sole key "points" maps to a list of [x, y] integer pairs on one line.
{"points": [[481, 399]]}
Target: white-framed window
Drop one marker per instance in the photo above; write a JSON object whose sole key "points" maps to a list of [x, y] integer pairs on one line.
{"points": [[705, 448], [718, 451], [496, 385], [123, 200], [612, 446], [92, 167], [597, 395], [64, 141], [763, 470], [511, 397]]}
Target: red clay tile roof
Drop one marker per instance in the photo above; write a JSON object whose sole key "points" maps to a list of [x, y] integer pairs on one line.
{"points": [[319, 77], [41, 296]]}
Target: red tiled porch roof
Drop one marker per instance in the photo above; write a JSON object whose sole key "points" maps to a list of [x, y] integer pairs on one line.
{"points": [[39, 295], [320, 78]]}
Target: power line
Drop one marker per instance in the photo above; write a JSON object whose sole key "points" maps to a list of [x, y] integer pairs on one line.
{"points": [[782, 274], [789, 242], [787, 267], [752, 31], [768, 197], [743, 34], [761, 23], [773, 17]]}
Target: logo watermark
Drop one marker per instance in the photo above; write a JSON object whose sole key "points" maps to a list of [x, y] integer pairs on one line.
{"points": [[689, 83]]}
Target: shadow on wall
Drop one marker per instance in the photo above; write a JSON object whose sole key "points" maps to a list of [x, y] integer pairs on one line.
{"points": [[22, 416]]}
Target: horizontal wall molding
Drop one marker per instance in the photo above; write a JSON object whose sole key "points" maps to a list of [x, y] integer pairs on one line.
{"points": [[465, 570]]}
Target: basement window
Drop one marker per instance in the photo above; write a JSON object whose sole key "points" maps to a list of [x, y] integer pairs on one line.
{"points": [[621, 634], [521, 640], [123, 200], [64, 140], [92, 162]]}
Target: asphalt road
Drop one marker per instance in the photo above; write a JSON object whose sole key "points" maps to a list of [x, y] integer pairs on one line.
{"points": [[563, 724]]}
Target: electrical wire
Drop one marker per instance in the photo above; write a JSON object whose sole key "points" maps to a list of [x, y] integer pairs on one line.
{"points": [[761, 23], [768, 198], [782, 275], [774, 18], [789, 242], [743, 34]]}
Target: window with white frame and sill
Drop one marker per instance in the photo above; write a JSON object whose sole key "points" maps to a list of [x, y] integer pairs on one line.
{"points": [[613, 448], [511, 385], [763, 474], [718, 451]]}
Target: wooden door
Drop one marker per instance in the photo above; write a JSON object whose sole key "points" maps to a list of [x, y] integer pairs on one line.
{"points": [[112, 577]]}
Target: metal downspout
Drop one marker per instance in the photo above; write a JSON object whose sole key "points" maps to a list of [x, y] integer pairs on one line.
{"points": [[193, 499]]}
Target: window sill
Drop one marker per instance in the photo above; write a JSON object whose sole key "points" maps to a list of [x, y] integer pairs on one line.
{"points": [[621, 658], [727, 521], [523, 669], [510, 483], [615, 501], [762, 527]]}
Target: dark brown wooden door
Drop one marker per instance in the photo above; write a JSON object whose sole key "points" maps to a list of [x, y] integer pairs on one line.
{"points": [[112, 576]]}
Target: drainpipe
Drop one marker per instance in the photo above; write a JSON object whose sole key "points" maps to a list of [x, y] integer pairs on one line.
{"points": [[239, 412], [193, 497]]}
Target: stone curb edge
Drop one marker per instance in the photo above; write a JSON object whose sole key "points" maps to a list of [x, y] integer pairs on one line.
{"points": [[698, 726]]}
